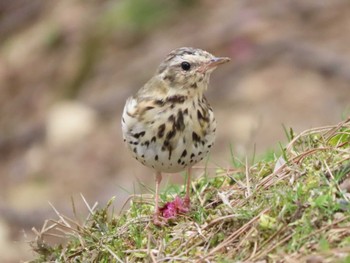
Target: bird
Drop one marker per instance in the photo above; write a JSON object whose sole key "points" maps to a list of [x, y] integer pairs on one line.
{"points": [[169, 125]]}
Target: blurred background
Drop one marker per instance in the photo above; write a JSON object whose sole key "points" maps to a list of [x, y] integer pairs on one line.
{"points": [[67, 67]]}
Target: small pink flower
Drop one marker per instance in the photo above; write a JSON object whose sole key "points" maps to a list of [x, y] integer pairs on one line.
{"points": [[172, 209]]}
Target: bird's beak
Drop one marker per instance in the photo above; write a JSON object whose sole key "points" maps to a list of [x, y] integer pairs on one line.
{"points": [[217, 61], [213, 63]]}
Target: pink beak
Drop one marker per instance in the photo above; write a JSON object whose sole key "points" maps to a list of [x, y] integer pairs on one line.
{"points": [[218, 61], [214, 62]]}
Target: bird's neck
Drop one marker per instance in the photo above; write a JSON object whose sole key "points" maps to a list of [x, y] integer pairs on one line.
{"points": [[188, 93], [160, 89]]}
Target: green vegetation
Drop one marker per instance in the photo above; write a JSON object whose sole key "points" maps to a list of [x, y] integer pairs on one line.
{"points": [[294, 207]]}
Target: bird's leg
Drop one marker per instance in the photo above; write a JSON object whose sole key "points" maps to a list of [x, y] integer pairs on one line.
{"points": [[187, 200], [156, 219]]}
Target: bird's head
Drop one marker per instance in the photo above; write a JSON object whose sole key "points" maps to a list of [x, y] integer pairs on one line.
{"points": [[189, 68]]}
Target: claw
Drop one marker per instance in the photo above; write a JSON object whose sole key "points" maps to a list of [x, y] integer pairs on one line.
{"points": [[187, 203], [157, 220]]}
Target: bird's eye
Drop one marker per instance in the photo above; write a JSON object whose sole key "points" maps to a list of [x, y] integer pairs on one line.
{"points": [[185, 66]]}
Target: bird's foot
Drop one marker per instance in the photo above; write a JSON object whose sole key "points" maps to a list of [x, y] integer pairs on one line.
{"points": [[157, 220], [187, 202]]}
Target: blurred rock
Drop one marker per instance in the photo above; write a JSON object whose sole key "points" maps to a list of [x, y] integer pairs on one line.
{"points": [[69, 122], [35, 158]]}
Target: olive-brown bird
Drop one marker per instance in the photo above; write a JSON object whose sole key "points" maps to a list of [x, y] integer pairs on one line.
{"points": [[169, 125]]}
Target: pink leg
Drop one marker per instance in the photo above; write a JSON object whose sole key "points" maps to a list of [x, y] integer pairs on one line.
{"points": [[187, 200], [156, 219]]}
